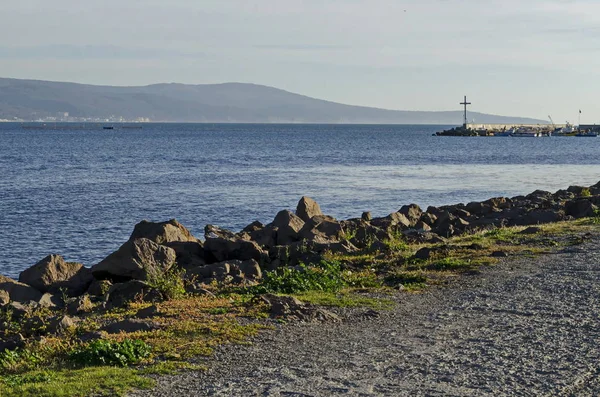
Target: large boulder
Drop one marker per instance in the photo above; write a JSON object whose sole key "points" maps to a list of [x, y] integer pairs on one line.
{"points": [[307, 208], [580, 208], [188, 253], [219, 271], [412, 212], [138, 259], [222, 249], [288, 226], [162, 232], [18, 292], [53, 274], [394, 220], [122, 294], [212, 231], [265, 236], [322, 229]]}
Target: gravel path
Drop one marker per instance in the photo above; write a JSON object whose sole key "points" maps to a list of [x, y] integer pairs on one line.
{"points": [[527, 327]]}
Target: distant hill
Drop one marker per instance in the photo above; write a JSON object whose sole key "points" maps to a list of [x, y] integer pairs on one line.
{"points": [[229, 102]]}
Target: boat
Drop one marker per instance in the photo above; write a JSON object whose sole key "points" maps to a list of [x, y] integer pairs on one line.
{"points": [[108, 127], [568, 130], [525, 133], [588, 134]]}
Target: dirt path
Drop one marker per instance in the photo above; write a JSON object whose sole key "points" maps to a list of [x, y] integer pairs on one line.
{"points": [[529, 327]]}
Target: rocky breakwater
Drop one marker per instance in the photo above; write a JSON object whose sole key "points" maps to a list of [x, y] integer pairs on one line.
{"points": [[135, 271]]}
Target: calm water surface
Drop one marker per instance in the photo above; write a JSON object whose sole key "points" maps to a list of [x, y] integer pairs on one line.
{"points": [[79, 191]]}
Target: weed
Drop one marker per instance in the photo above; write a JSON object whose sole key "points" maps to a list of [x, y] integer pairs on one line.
{"points": [[406, 278], [104, 352], [19, 360], [585, 192], [169, 283]]}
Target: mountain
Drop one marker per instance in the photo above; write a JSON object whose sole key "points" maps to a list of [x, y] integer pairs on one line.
{"points": [[229, 102]]}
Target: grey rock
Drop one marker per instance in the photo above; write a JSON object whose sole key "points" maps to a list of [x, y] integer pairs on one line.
{"points": [[130, 325], [53, 274], [307, 208]]}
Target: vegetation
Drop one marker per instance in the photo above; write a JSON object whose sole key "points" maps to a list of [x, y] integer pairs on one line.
{"points": [[192, 325]]}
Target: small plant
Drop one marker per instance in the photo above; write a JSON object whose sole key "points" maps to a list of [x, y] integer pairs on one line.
{"points": [[327, 276], [104, 352], [170, 283], [407, 278], [12, 361], [585, 192]]}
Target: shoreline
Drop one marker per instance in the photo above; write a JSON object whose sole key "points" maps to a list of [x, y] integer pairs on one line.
{"points": [[177, 297]]}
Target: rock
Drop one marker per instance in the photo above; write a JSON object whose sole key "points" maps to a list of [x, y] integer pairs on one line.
{"points": [[414, 236], [428, 218], [99, 287], [366, 234], [379, 246], [198, 289], [188, 253], [412, 212], [580, 208], [291, 308], [253, 227], [531, 230], [537, 217], [251, 269], [288, 225], [395, 219], [475, 247], [137, 259], [130, 325], [53, 274], [424, 253], [162, 232], [321, 231], [11, 343], [265, 237], [222, 249], [307, 208], [60, 324], [4, 298], [216, 271], [478, 208], [19, 309], [211, 231], [150, 311], [499, 254], [121, 294], [50, 301], [19, 292], [578, 190], [422, 226], [82, 304], [366, 216]]}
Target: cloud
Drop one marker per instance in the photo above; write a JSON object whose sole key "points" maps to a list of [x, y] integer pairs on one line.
{"points": [[74, 52]]}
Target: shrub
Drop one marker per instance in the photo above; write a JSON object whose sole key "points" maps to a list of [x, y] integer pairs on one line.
{"points": [[103, 352], [19, 360], [326, 276], [585, 192], [169, 283]]}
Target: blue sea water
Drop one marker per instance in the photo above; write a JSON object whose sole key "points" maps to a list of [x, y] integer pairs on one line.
{"points": [[79, 190]]}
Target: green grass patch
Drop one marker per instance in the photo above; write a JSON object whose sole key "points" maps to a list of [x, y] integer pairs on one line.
{"points": [[106, 381], [104, 352], [411, 280]]}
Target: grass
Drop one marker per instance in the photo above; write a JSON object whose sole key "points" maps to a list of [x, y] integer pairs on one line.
{"points": [[108, 381], [191, 326]]}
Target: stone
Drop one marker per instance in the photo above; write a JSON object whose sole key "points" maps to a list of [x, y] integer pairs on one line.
{"points": [[216, 271], [323, 231], [221, 249], [414, 236], [580, 208], [292, 308], [198, 289], [162, 232], [422, 226], [265, 237], [19, 292], [428, 218], [251, 269], [50, 301], [307, 208], [4, 298], [499, 254], [537, 217], [253, 227], [138, 259], [79, 305], [424, 253], [531, 230], [147, 312], [188, 254], [53, 274], [211, 231], [122, 294], [130, 325], [366, 216], [11, 343], [412, 212], [395, 219], [99, 287], [288, 225], [60, 324]]}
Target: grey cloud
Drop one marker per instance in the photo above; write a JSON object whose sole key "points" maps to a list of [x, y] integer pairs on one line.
{"points": [[73, 52]]}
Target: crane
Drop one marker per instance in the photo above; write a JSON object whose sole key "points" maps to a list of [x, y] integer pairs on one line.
{"points": [[552, 121]]}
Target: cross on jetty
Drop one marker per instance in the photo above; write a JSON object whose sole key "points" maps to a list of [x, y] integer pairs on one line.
{"points": [[465, 103]]}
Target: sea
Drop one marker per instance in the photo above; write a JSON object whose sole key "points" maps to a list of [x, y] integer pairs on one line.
{"points": [[78, 190]]}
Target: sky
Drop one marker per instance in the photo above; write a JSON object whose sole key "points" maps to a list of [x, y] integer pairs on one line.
{"points": [[531, 58]]}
